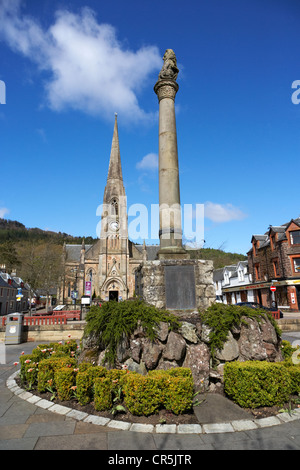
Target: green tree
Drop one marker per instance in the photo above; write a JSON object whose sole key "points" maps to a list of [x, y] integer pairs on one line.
{"points": [[8, 256]]}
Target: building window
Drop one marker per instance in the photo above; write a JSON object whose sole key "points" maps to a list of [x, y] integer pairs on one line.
{"points": [[226, 278], [295, 237], [241, 275], [276, 268], [272, 241], [255, 247], [296, 265], [115, 207], [257, 272]]}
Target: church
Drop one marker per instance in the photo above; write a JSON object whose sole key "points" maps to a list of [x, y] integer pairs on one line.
{"points": [[106, 268]]}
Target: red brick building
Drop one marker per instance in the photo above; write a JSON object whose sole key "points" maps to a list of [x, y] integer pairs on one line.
{"points": [[274, 259]]}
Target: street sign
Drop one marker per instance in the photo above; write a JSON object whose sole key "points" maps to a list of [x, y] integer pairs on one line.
{"points": [[273, 288]]}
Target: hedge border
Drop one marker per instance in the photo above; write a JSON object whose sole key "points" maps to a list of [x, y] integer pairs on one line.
{"points": [[232, 426]]}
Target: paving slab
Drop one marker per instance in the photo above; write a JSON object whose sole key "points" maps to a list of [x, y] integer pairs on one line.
{"points": [[95, 441], [59, 428], [180, 442], [27, 443], [216, 408], [128, 440]]}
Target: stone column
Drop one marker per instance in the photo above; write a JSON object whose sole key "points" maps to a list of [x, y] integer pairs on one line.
{"points": [[170, 232]]}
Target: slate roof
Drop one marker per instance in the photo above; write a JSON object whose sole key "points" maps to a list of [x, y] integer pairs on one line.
{"points": [[150, 249], [73, 252]]}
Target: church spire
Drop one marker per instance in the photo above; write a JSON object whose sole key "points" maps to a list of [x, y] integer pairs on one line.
{"points": [[115, 169]]}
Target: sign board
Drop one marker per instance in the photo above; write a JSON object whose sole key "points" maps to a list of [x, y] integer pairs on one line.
{"points": [[273, 288], [85, 300], [88, 287], [180, 287], [74, 294]]}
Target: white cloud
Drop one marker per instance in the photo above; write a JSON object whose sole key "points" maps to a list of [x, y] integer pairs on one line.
{"points": [[89, 69], [3, 212], [148, 162], [222, 212]]}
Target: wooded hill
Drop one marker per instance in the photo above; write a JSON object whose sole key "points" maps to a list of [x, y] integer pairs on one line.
{"points": [[15, 231]]}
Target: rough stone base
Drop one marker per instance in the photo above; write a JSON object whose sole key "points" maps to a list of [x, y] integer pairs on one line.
{"points": [[154, 283]]}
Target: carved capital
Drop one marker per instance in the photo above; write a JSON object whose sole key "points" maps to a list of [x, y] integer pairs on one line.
{"points": [[166, 89]]}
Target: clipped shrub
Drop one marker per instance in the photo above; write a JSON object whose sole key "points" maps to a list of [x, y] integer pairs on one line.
{"points": [[27, 361], [102, 394], [69, 348], [252, 384], [85, 382], [29, 372], [177, 388], [294, 371], [47, 368], [144, 394], [64, 378], [178, 396]]}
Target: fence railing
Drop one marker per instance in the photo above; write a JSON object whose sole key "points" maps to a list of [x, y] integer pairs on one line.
{"points": [[39, 320]]}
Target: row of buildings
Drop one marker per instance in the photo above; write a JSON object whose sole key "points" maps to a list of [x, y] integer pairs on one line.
{"points": [[14, 294], [273, 261]]}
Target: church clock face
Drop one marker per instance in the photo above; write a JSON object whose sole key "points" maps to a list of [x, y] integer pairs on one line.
{"points": [[114, 226]]}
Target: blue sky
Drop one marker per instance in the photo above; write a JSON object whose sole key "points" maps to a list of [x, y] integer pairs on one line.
{"points": [[68, 66]]}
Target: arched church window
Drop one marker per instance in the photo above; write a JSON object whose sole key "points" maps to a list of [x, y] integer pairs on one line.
{"points": [[114, 207]]}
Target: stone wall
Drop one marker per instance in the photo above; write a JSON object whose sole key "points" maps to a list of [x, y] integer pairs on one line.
{"points": [[54, 333], [189, 347]]}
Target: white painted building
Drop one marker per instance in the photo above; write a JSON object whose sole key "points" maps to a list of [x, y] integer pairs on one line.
{"points": [[233, 284]]}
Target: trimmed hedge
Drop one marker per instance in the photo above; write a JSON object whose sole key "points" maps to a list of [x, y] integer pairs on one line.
{"points": [[64, 379], [48, 367], [85, 381], [171, 389], [144, 395], [102, 394], [252, 384]]}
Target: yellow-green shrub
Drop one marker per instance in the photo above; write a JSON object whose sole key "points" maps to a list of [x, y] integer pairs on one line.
{"points": [[294, 371], [179, 394], [102, 394], [85, 381], [144, 394], [252, 384], [47, 368], [64, 378], [177, 388]]}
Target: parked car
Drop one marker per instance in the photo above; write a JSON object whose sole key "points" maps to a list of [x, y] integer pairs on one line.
{"points": [[257, 305]]}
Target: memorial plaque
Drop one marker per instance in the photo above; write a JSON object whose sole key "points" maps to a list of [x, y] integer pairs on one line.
{"points": [[180, 287]]}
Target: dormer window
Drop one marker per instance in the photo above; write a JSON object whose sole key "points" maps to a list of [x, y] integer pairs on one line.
{"points": [[226, 278], [295, 237], [241, 275]]}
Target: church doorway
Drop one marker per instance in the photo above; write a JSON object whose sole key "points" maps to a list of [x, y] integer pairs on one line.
{"points": [[114, 295]]}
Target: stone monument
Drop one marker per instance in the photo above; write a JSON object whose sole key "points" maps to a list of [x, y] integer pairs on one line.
{"points": [[173, 281], [170, 229]]}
